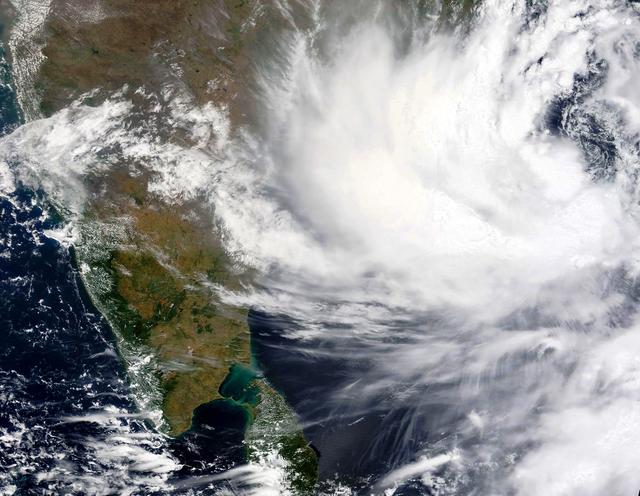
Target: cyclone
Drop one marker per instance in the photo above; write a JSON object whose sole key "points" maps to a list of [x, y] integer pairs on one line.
{"points": [[428, 216]]}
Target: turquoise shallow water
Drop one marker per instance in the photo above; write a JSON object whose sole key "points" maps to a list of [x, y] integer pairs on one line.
{"points": [[58, 359], [238, 387], [223, 420]]}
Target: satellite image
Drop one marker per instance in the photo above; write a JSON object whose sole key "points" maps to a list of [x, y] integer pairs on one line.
{"points": [[320, 247]]}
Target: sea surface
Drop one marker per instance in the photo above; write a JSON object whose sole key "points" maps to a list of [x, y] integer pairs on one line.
{"points": [[68, 422], [445, 233], [357, 441]]}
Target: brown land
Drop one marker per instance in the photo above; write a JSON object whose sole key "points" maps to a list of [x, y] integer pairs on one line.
{"points": [[168, 253], [160, 271]]}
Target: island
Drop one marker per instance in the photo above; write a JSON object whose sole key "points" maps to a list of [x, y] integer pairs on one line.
{"points": [[152, 262]]}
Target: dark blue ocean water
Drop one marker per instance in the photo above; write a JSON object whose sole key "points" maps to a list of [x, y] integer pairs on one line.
{"points": [[57, 357], [68, 423], [357, 442], [63, 393]]}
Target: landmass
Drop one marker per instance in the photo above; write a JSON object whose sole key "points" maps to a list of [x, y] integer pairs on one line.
{"points": [[150, 261]]}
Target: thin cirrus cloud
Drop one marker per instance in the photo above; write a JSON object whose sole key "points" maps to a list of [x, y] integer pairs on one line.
{"points": [[421, 192]]}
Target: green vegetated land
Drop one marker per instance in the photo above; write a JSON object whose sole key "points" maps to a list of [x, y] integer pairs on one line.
{"points": [[148, 261]]}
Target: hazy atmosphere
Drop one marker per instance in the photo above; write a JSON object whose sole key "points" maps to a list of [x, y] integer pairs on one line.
{"points": [[297, 247]]}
